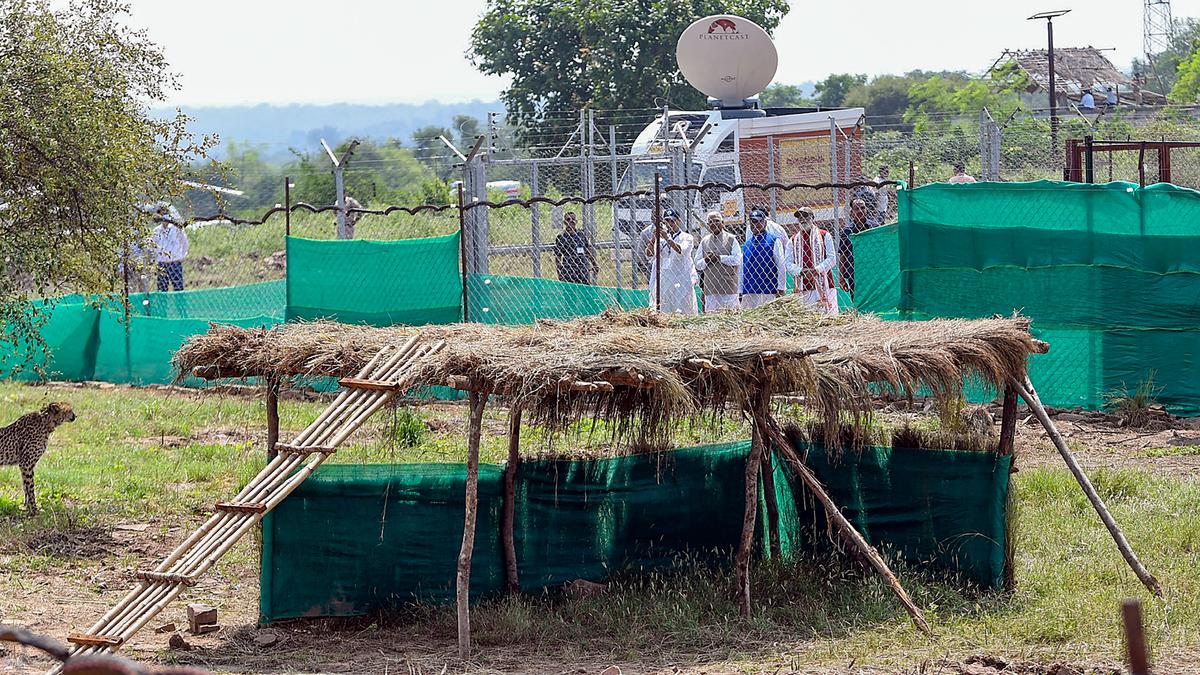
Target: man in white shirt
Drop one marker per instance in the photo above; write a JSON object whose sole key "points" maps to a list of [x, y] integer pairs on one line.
{"points": [[719, 259], [678, 273], [170, 245], [759, 213], [1087, 101], [811, 264], [960, 174]]}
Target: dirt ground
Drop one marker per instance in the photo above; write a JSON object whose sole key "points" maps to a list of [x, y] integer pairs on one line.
{"points": [[58, 602]]}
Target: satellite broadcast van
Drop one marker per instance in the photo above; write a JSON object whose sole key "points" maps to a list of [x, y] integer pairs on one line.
{"points": [[731, 59]]}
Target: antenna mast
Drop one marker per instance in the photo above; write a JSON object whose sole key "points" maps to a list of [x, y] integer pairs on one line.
{"points": [[1158, 27]]}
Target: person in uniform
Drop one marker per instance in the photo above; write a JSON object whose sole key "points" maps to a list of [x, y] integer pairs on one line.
{"points": [[719, 259], [574, 255]]}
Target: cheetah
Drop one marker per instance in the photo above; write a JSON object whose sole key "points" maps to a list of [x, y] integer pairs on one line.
{"points": [[24, 442]]}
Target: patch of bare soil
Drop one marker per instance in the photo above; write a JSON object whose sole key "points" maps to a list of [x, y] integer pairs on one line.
{"points": [[1099, 440]]}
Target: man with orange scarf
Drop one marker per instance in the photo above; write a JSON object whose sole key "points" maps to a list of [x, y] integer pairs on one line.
{"points": [[813, 257]]}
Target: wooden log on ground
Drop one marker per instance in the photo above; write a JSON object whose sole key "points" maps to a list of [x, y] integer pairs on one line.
{"points": [[771, 429], [508, 515], [272, 416], [768, 482], [1025, 389], [478, 401]]}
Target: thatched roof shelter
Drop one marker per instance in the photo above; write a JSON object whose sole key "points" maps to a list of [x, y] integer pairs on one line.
{"points": [[644, 371]]}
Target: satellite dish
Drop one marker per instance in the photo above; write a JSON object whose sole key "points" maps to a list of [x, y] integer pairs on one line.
{"points": [[728, 57]]}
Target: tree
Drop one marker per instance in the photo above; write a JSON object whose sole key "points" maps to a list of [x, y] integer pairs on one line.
{"points": [[831, 91], [78, 150], [1162, 72], [1187, 80], [885, 98], [431, 151], [785, 96], [468, 130], [605, 54]]}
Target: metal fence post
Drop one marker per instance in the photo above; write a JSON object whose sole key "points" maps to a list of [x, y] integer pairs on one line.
{"points": [[339, 186], [771, 177], [833, 178], [994, 131], [535, 230], [587, 174], [985, 152], [612, 204]]}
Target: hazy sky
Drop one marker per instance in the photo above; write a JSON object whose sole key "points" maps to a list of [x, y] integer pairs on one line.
{"points": [[382, 51]]}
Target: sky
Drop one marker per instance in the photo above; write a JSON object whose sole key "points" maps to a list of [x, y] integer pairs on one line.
{"points": [[408, 51]]}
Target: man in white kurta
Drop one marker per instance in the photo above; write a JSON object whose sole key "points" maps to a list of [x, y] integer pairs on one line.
{"points": [[719, 257], [759, 213], [678, 274], [811, 262]]}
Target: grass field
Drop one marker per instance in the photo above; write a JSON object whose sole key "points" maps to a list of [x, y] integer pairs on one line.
{"points": [[163, 457]]}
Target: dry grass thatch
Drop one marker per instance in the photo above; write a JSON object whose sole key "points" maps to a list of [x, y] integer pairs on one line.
{"points": [[645, 371]]}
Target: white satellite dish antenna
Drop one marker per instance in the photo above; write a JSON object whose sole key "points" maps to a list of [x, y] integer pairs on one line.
{"points": [[728, 57]]}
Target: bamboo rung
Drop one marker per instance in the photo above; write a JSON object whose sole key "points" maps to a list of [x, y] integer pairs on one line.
{"points": [[84, 640], [245, 507], [370, 385], [184, 579], [303, 450]]}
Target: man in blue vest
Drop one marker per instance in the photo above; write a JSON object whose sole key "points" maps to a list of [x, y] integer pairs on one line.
{"points": [[762, 264]]}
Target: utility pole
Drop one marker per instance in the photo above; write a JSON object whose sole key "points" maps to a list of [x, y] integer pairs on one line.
{"points": [[1049, 17]]}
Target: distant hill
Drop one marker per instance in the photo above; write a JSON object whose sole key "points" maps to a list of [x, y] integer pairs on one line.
{"points": [[303, 125]]}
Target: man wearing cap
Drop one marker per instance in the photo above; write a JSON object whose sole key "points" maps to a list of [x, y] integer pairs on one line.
{"points": [[763, 263], [170, 245], [678, 273], [811, 263], [760, 213], [719, 257]]}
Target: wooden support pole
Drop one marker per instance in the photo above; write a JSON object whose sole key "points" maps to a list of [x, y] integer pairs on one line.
{"points": [[1025, 389], [272, 416], [1006, 447], [771, 429], [749, 516], [768, 481], [1008, 423], [508, 515], [478, 401], [1135, 638]]}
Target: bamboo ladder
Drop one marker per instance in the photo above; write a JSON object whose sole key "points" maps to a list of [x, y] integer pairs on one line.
{"points": [[362, 396]]}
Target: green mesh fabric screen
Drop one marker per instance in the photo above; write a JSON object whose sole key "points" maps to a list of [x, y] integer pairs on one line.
{"points": [[381, 283], [877, 277], [92, 342], [249, 301], [498, 298], [1107, 273], [355, 539]]}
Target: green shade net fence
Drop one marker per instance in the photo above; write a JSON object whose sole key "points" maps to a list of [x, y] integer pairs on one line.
{"points": [[355, 539], [1109, 274], [92, 340]]}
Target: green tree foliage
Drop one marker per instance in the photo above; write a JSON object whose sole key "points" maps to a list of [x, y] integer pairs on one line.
{"points": [[785, 96], [831, 91], [885, 97], [77, 150], [468, 128], [1166, 68], [429, 149], [377, 173], [607, 54]]}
